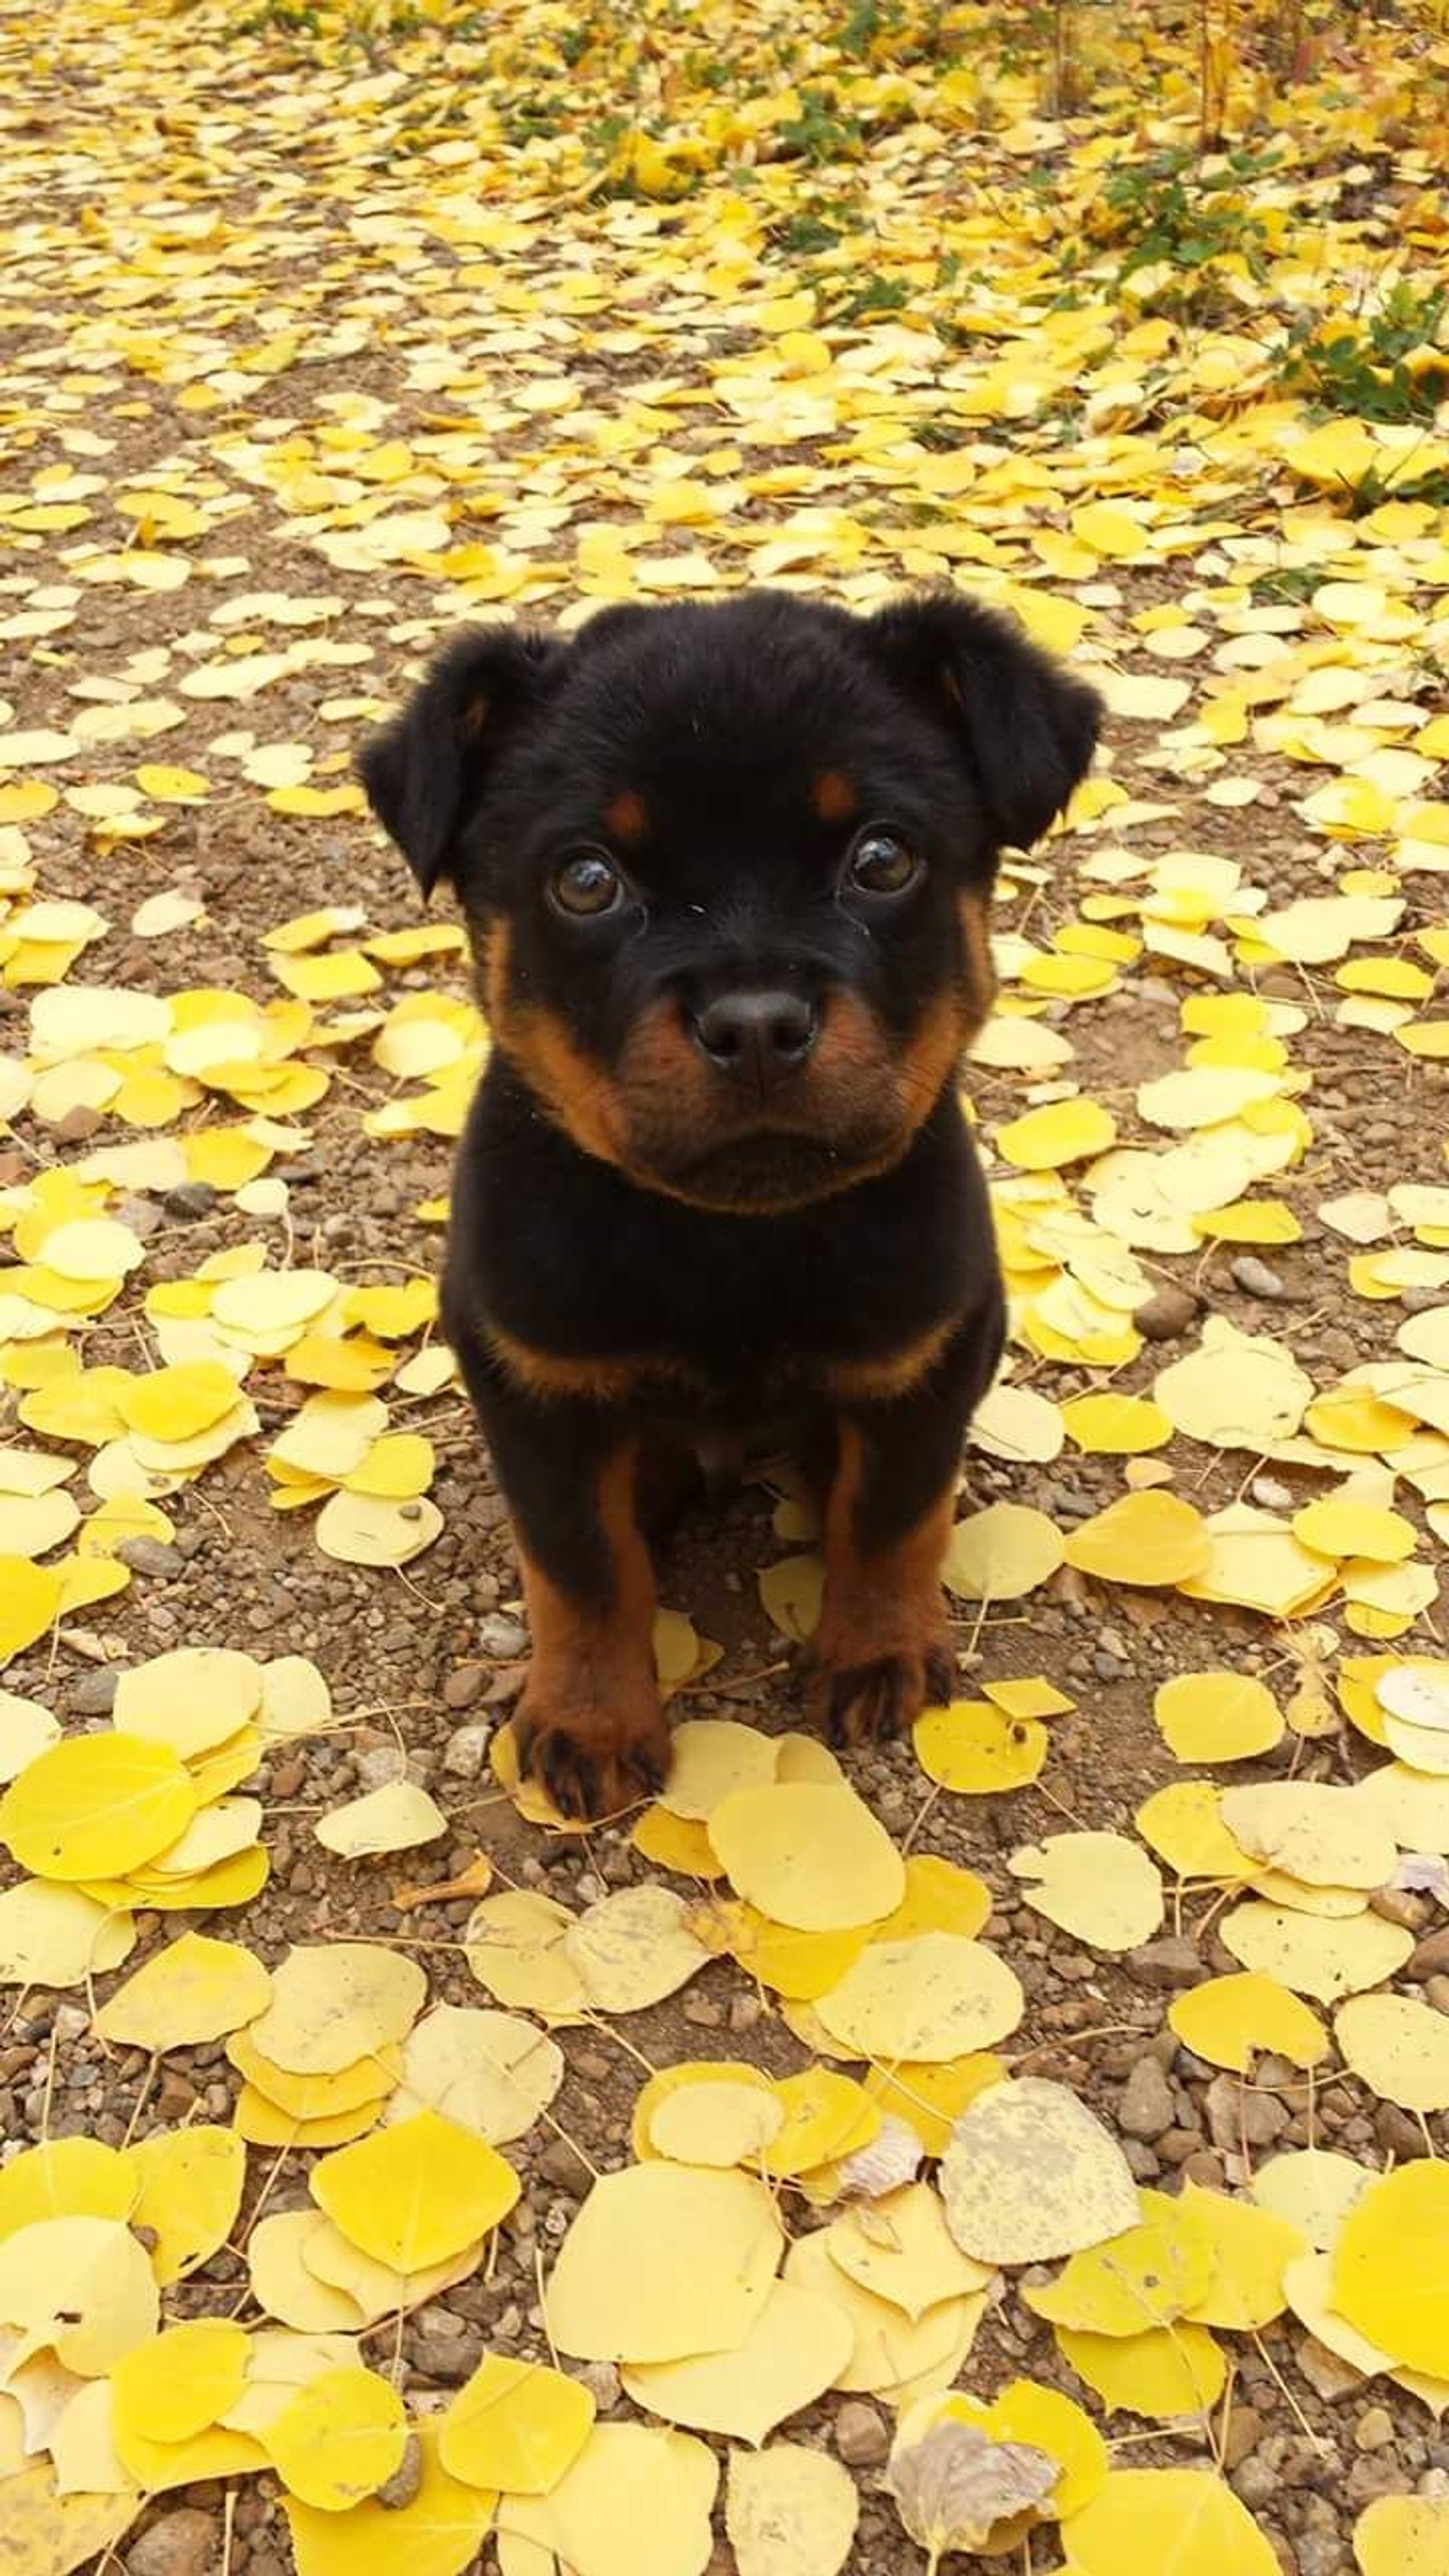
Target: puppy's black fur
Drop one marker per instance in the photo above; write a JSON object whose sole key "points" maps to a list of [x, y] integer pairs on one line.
{"points": [[726, 872]]}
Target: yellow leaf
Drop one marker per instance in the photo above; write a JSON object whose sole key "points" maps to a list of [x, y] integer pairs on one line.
{"points": [[1150, 1539], [1143, 2279], [414, 2194], [1067, 1131], [717, 2121], [492, 2073], [807, 1854], [711, 1757], [1338, 1527], [340, 2439], [438, 2533], [66, 2178], [900, 2249], [1230, 2020], [891, 2350], [663, 2261], [80, 2288], [190, 2192], [1326, 1836], [1391, 2267], [826, 2117], [96, 1805], [1115, 1426], [978, 1750], [195, 1990], [795, 2348], [1002, 1553], [396, 1817], [190, 1699], [1164, 2372], [632, 1949], [1185, 2520], [1403, 2535], [1252, 2249], [30, 1602], [180, 2383], [593, 2519], [515, 2425], [792, 1592], [1217, 1716], [1399, 2048], [930, 2099], [1100, 1887], [1321, 1958]]}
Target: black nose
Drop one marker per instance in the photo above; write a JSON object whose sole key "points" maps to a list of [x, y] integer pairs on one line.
{"points": [[757, 1036]]}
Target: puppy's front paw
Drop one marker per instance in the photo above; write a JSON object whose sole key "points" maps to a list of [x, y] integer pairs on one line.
{"points": [[594, 1761], [873, 1700]]}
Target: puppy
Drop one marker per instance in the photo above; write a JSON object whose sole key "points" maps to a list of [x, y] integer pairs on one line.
{"points": [[726, 871]]}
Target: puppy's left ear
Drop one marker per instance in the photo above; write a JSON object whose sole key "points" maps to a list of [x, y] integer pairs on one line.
{"points": [[1026, 728], [422, 770]]}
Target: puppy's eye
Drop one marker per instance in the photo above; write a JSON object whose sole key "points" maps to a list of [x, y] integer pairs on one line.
{"points": [[880, 864], [585, 886]]}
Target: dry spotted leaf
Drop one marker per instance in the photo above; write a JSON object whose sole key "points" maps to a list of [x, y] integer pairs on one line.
{"points": [[955, 2483], [1327, 1837], [936, 1997], [57, 1937], [337, 2003], [489, 2072], [790, 2511], [195, 1990], [634, 1948], [50, 2534], [663, 2261], [1030, 2175], [1313, 1955], [1099, 1887]]}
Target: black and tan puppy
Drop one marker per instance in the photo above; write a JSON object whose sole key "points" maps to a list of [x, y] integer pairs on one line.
{"points": [[726, 872]]}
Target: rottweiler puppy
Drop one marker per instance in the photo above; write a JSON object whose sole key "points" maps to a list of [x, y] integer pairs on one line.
{"points": [[726, 870]]}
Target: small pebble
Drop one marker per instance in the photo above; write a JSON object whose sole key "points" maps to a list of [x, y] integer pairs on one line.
{"points": [[1167, 1314], [861, 2436], [1256, 1279]]}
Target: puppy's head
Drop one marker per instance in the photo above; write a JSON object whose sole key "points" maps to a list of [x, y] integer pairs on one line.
{"points": [[726, 868]]}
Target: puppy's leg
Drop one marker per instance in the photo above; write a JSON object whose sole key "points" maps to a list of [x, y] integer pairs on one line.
{"points": [[882, 1651], [590, 1724]]}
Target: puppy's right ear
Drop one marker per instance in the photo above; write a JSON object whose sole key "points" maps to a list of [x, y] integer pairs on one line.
{"points": [[421, 770]]}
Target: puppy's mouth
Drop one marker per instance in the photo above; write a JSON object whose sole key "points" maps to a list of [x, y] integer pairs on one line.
{"points": [[769, 1169]]}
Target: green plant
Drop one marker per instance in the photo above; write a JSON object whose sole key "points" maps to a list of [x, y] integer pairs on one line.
{"points": [[1361, 364], [1176, 209]]}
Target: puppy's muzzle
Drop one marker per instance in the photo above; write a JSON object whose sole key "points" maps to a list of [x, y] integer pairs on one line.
{"points": [[757, 1039]]}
